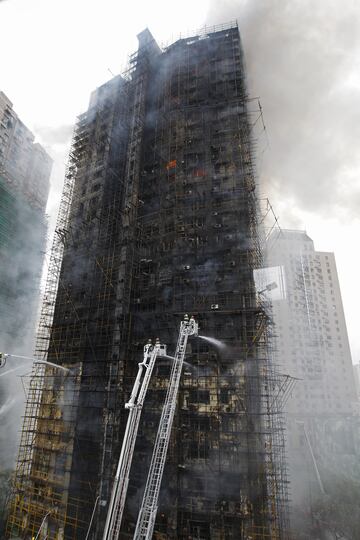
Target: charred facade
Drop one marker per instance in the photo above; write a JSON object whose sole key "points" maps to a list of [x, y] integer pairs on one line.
{"points": [[159, 217]]}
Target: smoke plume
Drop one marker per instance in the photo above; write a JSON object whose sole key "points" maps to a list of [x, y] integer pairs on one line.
{"points": [[301, 60]]}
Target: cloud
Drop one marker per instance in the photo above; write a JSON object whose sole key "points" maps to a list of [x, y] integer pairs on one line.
{"points": [[302, 59]]}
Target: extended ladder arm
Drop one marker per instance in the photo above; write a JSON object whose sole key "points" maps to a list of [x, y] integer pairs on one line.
{"points": [[135, 403], [146, 519]]}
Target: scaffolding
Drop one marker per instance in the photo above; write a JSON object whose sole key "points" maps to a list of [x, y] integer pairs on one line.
{"points": [[159, 217], [56, 255], [45, 449]]}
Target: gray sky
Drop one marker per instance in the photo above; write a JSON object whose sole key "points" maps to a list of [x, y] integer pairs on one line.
{"points": [[303, 60]]}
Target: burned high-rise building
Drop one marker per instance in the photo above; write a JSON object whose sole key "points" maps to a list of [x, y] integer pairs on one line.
{"points": [[159, 217]]}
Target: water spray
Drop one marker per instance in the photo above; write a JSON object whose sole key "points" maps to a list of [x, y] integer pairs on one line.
{"points": [[5, 356], [216, 342]]}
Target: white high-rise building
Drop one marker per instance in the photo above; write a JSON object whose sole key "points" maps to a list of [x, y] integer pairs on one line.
{"points": [[312, 345]]}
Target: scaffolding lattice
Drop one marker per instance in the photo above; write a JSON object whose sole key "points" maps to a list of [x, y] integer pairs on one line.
{"points": [[48, 429], [56, 255]]}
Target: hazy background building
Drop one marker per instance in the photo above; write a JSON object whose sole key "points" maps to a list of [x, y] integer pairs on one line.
{"points": [[357, 379], [159, 217], [24, 185], [312, 346]]}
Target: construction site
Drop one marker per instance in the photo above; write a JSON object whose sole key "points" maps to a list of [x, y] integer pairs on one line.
{"points": [[159, 217]]}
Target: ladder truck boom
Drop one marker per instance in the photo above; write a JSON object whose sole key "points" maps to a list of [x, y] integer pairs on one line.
{"points": [[147, 515], [135, 404]]}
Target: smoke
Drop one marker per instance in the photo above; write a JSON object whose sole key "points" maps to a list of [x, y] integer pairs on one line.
{"points": [[301, 59], [7, 405], [19, 282], [10, 417], [50, 135]]}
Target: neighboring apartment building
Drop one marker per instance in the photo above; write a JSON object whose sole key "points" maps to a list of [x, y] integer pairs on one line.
{"points": [[24, 186], [312, 345], [25, 164], [163, 221]]}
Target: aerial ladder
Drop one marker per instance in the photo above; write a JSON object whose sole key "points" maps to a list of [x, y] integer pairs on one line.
{"points": [[147, 515], [135, 404]]}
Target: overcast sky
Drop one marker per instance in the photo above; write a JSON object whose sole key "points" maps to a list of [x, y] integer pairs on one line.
{"points": [[303, 60]]}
